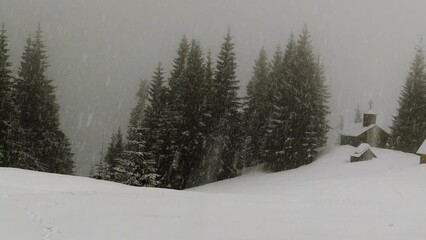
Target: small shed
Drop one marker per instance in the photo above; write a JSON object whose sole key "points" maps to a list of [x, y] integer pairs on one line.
{"points": [[422, 153], [363, 153]]}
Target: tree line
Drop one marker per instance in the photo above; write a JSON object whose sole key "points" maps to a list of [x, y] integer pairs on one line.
{"points": [[191, 128], [30, 134]]}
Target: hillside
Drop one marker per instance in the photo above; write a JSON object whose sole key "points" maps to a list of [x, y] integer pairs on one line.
{"points": [[329, 199]]}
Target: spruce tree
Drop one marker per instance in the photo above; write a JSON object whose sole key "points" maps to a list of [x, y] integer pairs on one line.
{"points": [[280, 138], [226, 113], [136, 165], [179, 66], [312, 99], [298, 126], [8, 110], [255, 115], [206, 171], [409, 125], [158, 127], [45, 147], [191, 96], [137, 115], [107, 168], [175, 113]]}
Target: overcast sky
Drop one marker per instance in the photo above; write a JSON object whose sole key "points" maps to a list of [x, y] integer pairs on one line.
{"points": [[100, 49]]}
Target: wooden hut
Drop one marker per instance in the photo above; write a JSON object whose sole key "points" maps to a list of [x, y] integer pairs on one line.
{"points": [[363, 153], [365, 132], [422, 153]]}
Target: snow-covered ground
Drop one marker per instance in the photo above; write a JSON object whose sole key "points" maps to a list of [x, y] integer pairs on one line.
{"points": [[384, 198]]}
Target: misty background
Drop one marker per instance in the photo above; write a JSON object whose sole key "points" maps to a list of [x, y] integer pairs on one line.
{"points": [[99, 50]]}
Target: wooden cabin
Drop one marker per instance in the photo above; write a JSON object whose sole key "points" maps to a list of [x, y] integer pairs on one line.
{"points": [[363, 153], [422, 153], [365, 132]]}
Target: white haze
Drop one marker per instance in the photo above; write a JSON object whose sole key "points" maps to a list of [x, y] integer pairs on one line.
{"points": [[100, 49]]}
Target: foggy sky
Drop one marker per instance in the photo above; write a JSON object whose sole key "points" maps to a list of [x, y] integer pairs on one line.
{"points": [[100, 49]]}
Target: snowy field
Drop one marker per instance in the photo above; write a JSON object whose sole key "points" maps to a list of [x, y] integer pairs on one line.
{"points": [[330, 199]]}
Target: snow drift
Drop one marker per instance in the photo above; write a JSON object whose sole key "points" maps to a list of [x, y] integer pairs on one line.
{"points": [[329, 199]]}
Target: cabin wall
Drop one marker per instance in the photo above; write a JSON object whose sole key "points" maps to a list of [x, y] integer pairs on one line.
{"points": [[375, 137], [423, 159], [348, 140], [368, 155]]}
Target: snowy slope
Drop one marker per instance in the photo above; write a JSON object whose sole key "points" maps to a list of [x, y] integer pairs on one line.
{"points": [[329, 199]]}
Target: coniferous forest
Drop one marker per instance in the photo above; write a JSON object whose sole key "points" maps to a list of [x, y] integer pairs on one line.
{"points": [[190, 126]]}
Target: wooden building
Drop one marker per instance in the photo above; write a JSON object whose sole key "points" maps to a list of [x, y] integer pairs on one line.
{"points": [[363, 153], [365, 132], [422, 153]]}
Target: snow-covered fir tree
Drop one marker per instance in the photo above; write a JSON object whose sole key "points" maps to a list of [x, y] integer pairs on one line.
{"points": [[256, 115], [226, 114], [207, 165], [137, 115], [136, 165], [279, 138], [8, 109], [107, 167], [175, 104], [409, 124], [44, 146], [191, 96], [158, 128], [312, 100], [298, 127]]}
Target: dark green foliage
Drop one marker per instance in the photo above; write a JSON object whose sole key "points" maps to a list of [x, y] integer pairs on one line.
{"points": [[137, 115], [298, 127], [175, 113], [256, 115], [190, 96], [158, 129], [43, 146], [106, 169], [137, 165], [279, 138], [409, 125], [195, 132], [225, 114], [8, 110]]}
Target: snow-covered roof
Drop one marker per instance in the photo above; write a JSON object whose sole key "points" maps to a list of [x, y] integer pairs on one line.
{"points": [[422, 149], [358, 128], [370, 112], [361, 149]]}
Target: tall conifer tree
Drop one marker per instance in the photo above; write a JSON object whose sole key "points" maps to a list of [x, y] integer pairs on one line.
{"points": [[192, 96], [280, 138], [137, 115], [175, 106], [46, 148], [8, 110], [158, 127], [312, 99], [226, 112], [299, 124], [255, 115], [409, 125]]}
